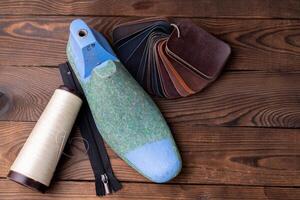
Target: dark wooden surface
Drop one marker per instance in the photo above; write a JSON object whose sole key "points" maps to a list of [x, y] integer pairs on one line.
{"points": [[239, 139]]}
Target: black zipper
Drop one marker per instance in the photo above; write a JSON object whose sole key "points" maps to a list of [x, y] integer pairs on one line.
{"points": [[105, 180]]}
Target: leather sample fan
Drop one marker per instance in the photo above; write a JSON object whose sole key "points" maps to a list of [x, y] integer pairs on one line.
{"points": [[169, 60]]}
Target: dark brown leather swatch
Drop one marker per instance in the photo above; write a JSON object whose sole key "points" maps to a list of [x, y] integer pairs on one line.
{"points": [[198, 49]]}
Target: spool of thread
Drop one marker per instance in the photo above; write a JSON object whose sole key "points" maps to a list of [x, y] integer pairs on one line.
{"points": [[37, 160]]}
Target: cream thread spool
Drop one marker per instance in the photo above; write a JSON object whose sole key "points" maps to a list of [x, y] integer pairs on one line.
{"points": [[37, 160]]}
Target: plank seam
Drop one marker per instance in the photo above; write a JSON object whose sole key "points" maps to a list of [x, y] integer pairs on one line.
{"points": [[196, 184], [144, 16]]}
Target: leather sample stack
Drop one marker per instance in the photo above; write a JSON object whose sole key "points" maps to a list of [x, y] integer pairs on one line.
{"points": [[169, 60]]}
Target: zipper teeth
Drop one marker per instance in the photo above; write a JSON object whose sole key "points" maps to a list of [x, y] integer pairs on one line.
{"points": [[102, 169], [104, 164]]}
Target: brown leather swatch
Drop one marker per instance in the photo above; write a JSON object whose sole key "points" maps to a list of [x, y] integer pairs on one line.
{"points": [[182, 88], [197, 49], [167, 84]]}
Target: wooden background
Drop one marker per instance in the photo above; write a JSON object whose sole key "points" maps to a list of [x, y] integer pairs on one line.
{"points": [[239, 139]]}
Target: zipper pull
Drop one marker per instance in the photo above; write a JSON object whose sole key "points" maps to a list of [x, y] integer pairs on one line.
{"points": [[104, 180], [114, 184]]}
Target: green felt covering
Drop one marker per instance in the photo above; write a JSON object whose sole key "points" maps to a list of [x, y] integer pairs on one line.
{"points": [[124, 113]]}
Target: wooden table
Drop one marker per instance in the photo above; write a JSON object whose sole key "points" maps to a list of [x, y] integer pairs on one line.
{"points": [[239, 139]]}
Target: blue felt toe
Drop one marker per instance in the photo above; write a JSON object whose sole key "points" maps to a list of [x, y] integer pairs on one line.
{"points": [[159, 161]]}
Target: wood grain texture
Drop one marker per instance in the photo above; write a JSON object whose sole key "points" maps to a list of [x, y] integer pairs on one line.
{"points": [[28, 90], [238, 138], [269, 45], [211, 155], [188, 8], [63, 190], [259, 99]]}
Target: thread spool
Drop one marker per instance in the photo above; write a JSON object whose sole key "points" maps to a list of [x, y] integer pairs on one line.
{"points": [[37, 160]]}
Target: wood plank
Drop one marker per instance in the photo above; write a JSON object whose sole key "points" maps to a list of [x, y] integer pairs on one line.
{"points": [[85, 190], [256, 44], [260, 99], [211, 155], [187, 8]]}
